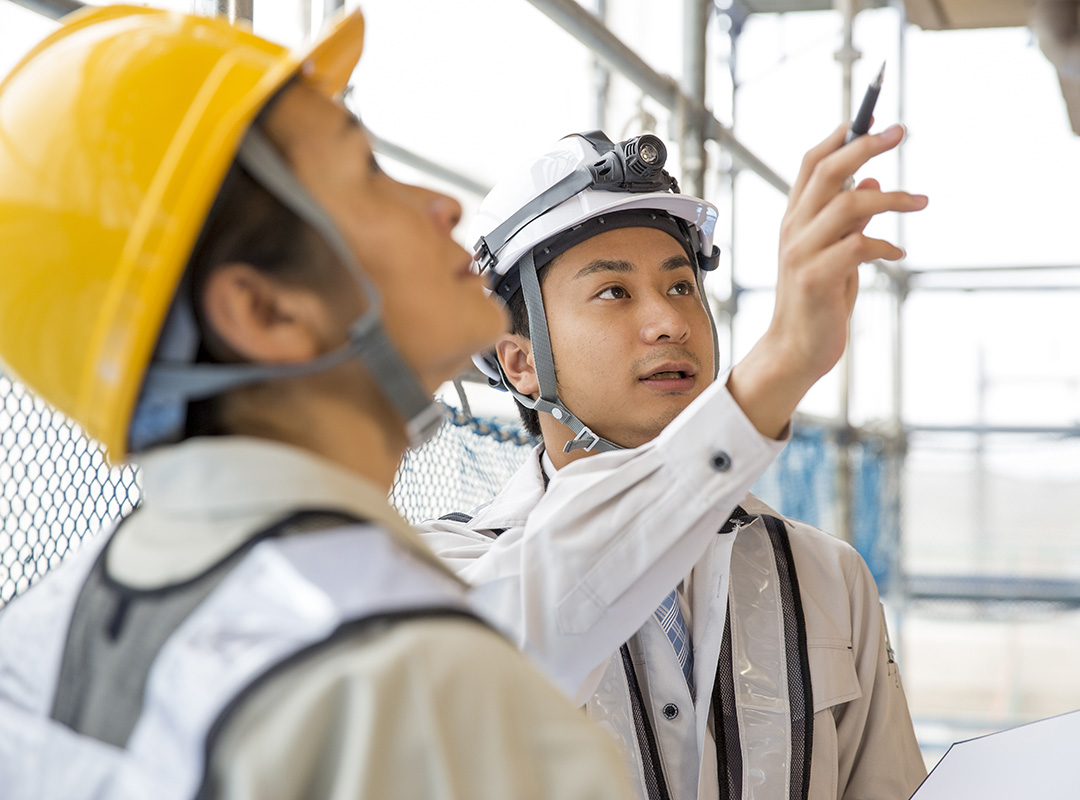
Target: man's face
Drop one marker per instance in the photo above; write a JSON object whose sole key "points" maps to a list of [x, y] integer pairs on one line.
{"points": [[434, 308], [631, 339]]}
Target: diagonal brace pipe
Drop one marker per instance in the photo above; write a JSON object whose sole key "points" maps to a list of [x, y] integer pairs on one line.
{"points": [[591, 32], [53, 9]]}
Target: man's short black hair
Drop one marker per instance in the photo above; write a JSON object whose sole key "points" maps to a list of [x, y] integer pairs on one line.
{"points": [[248, 225], [519, 324]]}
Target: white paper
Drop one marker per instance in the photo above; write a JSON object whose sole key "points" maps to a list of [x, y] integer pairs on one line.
{"points": [[1039, 760]]}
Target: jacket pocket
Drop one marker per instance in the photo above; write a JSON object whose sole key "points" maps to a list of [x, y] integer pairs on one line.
{"points": [[832, 672]]}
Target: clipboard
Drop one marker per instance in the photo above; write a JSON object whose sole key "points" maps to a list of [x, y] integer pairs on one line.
{"points": [[1037, 760]]}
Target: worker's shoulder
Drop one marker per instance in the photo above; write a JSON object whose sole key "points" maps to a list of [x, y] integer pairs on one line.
{"points": [[422, 688], [811, 547], [381, 662], [434, 645]]}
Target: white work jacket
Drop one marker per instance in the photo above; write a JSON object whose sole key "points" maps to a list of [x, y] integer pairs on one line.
{"points": [[863, 744], [310, 670], [584, 562], [287, 596]]}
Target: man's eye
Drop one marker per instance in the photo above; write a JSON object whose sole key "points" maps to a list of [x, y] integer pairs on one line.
{"points": [[613, 293], [682, 288]]}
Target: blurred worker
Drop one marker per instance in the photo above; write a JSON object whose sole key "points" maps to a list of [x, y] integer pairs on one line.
{"points": [[781, 683], [201, 256]]}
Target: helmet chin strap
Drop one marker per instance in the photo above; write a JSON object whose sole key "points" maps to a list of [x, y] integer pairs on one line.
{"points": [[367, 337], [548, 400]]}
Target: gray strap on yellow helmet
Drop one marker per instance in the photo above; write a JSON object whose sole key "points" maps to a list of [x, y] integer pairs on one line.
{"points": [[367, 338]]}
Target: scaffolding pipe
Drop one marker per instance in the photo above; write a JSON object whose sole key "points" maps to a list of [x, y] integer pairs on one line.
{"points": [[982, 430], [231, 9], [1062, 287], [425, 165], [847, 55], [691, 116], [53, 9], [985, 269], [601, 78], [733, 178], [901, 285], [843, 497], [591, 32]]}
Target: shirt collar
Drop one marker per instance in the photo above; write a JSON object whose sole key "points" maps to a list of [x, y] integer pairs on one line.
{"points": [[547, 465]]}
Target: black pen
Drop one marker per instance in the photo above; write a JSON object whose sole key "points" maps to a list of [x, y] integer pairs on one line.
{"points": [[860, 126]]}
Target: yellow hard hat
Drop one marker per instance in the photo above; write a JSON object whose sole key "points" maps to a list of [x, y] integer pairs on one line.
{"points": [[115, 135]]}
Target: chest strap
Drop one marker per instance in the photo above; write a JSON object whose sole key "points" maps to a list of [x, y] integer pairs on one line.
{"points": [[763, 590]]}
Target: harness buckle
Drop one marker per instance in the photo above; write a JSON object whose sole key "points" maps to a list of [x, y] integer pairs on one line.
{"points": [[579, 441]]}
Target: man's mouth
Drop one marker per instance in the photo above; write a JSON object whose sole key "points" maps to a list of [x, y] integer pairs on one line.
{"points": [[666, 376]]}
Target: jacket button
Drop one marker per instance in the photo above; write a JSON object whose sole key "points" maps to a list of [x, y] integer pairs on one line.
{"points": [[671, 711], [720, 461]]}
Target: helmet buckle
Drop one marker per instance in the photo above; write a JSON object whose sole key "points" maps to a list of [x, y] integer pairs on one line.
{"points": [[584, 440]]}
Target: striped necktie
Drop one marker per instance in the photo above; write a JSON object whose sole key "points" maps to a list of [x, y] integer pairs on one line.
{"points": [[670, 617]]}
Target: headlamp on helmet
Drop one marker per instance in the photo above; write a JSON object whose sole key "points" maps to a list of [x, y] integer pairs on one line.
{"points": [[587, 186]]}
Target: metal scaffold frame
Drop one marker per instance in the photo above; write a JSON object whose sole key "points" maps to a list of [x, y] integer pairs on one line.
{"points": [[696, 124]]}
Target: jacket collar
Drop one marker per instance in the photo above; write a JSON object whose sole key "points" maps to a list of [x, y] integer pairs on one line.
{"points": [[512, 505], [230, 486]]}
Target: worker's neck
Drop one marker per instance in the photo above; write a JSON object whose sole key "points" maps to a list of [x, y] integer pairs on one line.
{"points": [[365, 438]]}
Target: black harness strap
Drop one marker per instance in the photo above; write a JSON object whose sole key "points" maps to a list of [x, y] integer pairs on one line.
{"points": [[725, 715], [726, 722], [651, 764], [800, 691]]}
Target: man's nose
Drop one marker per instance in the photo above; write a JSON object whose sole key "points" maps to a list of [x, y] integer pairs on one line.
{"points": [[444, 210], [663, 321]]}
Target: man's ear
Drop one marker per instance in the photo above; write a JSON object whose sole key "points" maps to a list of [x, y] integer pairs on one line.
{"points": [[515, 355], [261, 319]]}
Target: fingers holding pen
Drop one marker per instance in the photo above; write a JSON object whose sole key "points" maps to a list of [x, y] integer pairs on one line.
{"points": [[810, 161], [867, 184], [829, 145], [850, 212], [829, 173]]}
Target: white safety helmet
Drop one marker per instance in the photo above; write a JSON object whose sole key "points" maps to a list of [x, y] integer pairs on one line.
{"points": [[586, 186]]}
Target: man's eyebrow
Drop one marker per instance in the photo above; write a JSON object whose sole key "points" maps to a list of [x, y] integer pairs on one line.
{"points": [[604, 265], [623, 267], [675, 262]]}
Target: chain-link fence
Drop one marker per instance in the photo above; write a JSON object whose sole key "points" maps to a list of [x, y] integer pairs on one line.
{"points": [[55, 488], [463, 465]]}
